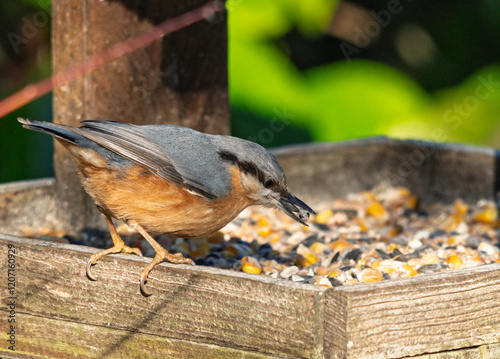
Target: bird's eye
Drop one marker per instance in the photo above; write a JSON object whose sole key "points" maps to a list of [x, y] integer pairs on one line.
{"points": [[269, 183]]}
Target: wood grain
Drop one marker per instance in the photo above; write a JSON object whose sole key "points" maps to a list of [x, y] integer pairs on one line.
{"points": [[445, 315], [425, 314], [220, 308], [480, 352], [42, 337], [27, 204], [181, 79]]}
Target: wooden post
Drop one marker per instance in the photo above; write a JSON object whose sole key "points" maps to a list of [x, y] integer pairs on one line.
{"points": [[180, 79]]}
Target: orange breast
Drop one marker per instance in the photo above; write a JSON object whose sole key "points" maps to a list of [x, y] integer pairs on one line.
{"points": [[138, 196]]}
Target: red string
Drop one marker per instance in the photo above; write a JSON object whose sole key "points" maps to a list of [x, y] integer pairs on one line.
{"points": [[34, 91]]}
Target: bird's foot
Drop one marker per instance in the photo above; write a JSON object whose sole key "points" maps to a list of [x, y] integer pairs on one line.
{"points": [[117, 248], [161, 254]]}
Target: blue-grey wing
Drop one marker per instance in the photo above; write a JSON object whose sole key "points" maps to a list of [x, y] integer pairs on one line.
{"points": [[174, 153]]}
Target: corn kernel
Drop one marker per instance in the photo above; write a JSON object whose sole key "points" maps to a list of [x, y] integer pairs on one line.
{"points": [[324, 216], [393, 232], [460, 207], [452, 223], [275, 239], [263, 222], [392, 247], [410, 271], [264, 232], [454, 262], [369, 275], [430, 258], [403, 191], [308, 258], [250, 265], [317, 247], [376, 210], [487, 216], [335, 273], [389, 266], [361, 223], [339, 245], [452, 241]]}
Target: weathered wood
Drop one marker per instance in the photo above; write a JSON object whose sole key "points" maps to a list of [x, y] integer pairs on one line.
{"points": [[235, 311], [480, 352], [425, 314], [181, 79], [451, 315], [27, 204], [434, 172], [42, 337]]}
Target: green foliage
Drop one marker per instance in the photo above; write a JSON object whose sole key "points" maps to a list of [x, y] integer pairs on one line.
{"points": [[344, 99]]}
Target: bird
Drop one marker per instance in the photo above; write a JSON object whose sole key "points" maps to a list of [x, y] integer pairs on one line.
{"points": [[170, 179]]}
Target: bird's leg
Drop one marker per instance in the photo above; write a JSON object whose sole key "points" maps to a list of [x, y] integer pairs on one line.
{"points": [[161, 254], [118, 247]]}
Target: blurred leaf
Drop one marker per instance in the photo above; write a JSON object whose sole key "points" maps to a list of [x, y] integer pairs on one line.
{"points": [[262, 76], [470, 111], [311, 17], [259, 19], [256, 19], [41, 4], [361, 98]]}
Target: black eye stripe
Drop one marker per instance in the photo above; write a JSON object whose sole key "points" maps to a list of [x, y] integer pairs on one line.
{"points": [[245, 166]]}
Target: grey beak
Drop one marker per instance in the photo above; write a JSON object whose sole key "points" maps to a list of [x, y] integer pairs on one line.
{"points": [[292, 205]]}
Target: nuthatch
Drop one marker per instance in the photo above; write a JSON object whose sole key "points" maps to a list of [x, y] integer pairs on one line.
{"points": [[170, 179]]}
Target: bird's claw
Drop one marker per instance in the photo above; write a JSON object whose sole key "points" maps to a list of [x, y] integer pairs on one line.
{"points": [[144, 291], [177, 258], [89, 270], [117, 248]]}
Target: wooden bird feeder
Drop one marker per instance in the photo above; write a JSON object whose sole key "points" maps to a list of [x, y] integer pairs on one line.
{"points": [[202, 312]]}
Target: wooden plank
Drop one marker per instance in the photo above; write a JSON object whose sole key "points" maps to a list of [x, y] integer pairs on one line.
{"points": [[27, 204], [181, 79], [237, 311], [69, 37], [434, 172], [480, 352], [407, 317], [67, 339]]}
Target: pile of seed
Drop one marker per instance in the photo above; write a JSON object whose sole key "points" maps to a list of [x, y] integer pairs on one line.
{"points": [[367, 237]]}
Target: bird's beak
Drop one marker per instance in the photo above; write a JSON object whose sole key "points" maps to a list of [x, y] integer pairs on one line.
{"points": [[292, 205]]}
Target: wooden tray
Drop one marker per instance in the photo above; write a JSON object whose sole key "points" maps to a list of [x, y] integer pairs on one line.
{"points": [[201, 312]]}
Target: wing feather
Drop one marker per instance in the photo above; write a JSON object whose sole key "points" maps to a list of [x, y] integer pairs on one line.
{"points": [[130, 142]]}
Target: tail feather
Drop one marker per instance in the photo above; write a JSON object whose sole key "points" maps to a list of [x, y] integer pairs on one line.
{"points": [[60, 131]]}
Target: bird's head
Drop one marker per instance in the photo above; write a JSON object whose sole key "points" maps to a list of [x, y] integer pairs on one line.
{"points": [[264, 180]]}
